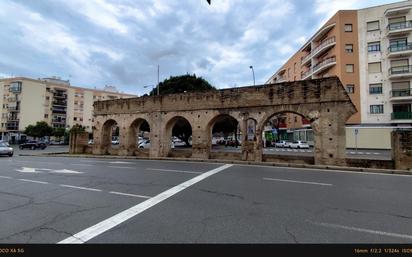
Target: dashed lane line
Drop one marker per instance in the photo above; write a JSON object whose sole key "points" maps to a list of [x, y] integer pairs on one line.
{"points": [[121, 167], [297, 181], [6, 177], [364, 230], [179, 171], [126, 194], [33, 181], [82, 188], [107, 224]]}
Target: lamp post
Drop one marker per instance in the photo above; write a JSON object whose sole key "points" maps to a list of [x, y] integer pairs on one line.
{"points": [[253, 73]]}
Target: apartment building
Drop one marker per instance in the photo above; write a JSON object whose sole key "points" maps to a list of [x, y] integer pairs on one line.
{"points": [[369, 50], [25, 101]]}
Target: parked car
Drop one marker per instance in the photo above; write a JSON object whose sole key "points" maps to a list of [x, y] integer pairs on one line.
{"points": [[115, 142], [90, 142], [33, 145], [282, 143], [53, 142], [299, 145], [145, 144], [5, 149]]}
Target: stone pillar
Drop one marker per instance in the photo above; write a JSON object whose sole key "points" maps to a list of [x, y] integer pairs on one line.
{"points": [[98, 148], [78, 142], [402, 149], [124, 141], [201, 142], [156, 144], [258, 144], [330, 137]]}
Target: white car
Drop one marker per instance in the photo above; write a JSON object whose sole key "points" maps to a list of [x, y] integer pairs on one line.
{"points": [[91, 142], [299, 145], [115, 142], [5, 149], [145, 144], [282, 143]]}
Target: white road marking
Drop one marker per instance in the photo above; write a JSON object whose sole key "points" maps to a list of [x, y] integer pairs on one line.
{"points": [[28, 170], [81, 164], [119, 193], [34, 181], [364, 230], [376, 153], [119, 162], [352, 152], [101, 227], [6, 177], [64, 171], [180, 171], [83, 188], [297, 181], [368, 153], [120, 167]]}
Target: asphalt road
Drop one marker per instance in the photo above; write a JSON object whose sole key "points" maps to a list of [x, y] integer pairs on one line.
{"points": [[56, 199]]}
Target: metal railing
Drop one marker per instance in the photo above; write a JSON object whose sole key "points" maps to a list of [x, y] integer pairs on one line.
{"points": [[306, 73], [323, 44], [399, 25], [401, 115], [323, 63], [400, 47], [306, 58], [400, 70], [401, 92]]}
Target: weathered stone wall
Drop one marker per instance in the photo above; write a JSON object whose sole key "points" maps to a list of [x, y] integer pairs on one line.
{"points": [[78, 142], [402, 149], [322, 101]]}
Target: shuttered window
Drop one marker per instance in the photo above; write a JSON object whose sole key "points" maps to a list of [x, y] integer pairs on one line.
{"points": [[374, 67]]}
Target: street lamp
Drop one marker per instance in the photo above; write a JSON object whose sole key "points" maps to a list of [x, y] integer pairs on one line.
{"points": [[253, 72], [152, 86]]}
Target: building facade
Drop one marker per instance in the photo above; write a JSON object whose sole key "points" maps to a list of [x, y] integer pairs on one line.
{"points": [[369, 50], [25, 101]]}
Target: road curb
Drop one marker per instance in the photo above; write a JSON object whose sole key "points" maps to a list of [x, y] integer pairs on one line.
{"points": [[269, 164]]}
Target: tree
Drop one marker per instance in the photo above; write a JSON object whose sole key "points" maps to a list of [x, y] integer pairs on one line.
{"points": [[58, 132], [181, 84], [41, 129]]}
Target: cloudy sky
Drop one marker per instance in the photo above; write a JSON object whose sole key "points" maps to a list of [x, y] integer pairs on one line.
{"points": [[121, 42]]}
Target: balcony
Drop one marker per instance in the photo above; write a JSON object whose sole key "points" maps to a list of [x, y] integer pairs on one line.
{"points": [[400, 72], [401, 116], [401, 94], [59, 96], [324, 46], [399, 28], [400, 50], [305, 60], [58, 110], [12, 126], [307, 74], [59, 103], [324, 65]]}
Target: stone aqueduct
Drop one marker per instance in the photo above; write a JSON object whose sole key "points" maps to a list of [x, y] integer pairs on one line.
{"points": [[322, 101]]}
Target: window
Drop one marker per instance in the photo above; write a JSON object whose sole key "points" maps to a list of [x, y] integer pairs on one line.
{"points": [[81, 119], [47, 97], [375, 88], [350, 88], [374, 67], [46, 116], [75, 118], [401, 88], [374, 46], [372, 26], [349, 68], [375, 109], [349, 48], [75, 102], [348, 27]]}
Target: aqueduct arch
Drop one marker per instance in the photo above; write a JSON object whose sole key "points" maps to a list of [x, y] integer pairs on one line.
{"points": [[324, 102]]}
